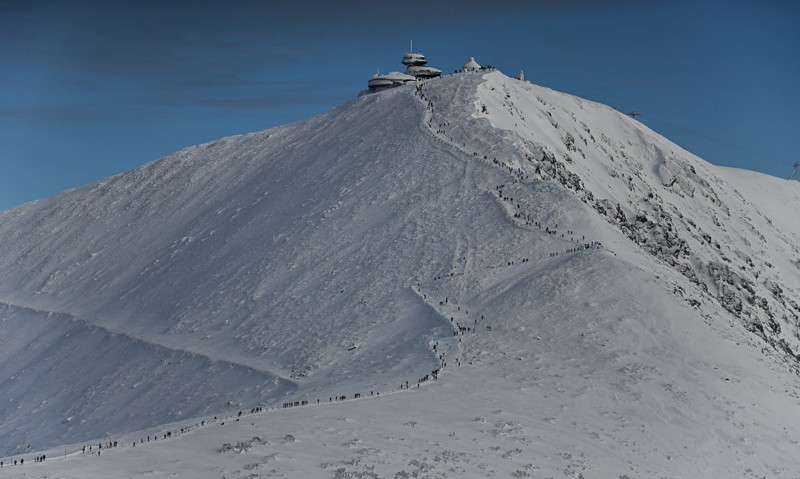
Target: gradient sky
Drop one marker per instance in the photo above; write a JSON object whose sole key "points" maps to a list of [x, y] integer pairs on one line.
{"points": [[91, 89]]}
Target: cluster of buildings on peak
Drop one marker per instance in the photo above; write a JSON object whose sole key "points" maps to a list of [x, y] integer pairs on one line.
{"points": [[416, 69]]}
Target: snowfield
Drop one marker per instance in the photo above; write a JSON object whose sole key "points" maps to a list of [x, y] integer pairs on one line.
{"points": [[515, 281]]}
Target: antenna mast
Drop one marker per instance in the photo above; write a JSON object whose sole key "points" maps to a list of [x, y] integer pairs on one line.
{"points": [[412, 47], [794, 175]]}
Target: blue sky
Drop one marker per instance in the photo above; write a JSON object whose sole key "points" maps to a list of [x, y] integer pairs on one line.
{"points": [[91, 89]]}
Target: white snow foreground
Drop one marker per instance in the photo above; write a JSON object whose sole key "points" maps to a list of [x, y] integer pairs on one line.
{"points": [[329, 257]]}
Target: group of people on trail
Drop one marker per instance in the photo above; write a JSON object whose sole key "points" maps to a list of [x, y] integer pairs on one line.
{"points": [[20, 461]]}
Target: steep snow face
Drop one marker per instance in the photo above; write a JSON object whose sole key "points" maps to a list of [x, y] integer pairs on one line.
{"points": [[452, 224], [732, 233]]}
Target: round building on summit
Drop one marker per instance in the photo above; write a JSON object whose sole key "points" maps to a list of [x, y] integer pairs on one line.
{"points": [[471, 66], [390, 80], [417, 66], [416, 69]]}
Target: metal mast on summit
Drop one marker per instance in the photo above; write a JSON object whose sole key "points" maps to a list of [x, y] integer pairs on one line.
{"points": [[795, 172]]}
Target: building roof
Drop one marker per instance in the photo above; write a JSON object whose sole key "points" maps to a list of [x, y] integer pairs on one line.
{"points": [[396, 76], [414, 59]]}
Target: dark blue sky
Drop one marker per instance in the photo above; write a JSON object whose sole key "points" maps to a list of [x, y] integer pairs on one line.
{"points": [[91, 89]]}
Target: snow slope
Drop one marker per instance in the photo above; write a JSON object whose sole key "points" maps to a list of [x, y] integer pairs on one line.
{"points": [[328, 257], [709, 223]]}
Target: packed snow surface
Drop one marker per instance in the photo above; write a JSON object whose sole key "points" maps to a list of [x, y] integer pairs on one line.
{"points": [[595, 302]]}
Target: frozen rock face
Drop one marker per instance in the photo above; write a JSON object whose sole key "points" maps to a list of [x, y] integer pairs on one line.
{"points": [[561, 250]]}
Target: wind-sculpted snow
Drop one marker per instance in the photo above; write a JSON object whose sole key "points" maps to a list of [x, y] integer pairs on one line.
{"points": [[70, 378], [278, 251], [585, 291]]}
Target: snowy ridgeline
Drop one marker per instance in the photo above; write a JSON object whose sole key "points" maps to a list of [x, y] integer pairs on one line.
{"points": [[596, 300]]}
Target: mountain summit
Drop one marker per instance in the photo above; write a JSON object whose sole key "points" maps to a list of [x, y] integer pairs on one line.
{"points": [[576, 282]]}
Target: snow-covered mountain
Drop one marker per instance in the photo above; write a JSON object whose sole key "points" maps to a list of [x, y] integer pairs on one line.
{"points": [[600, 301]]}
